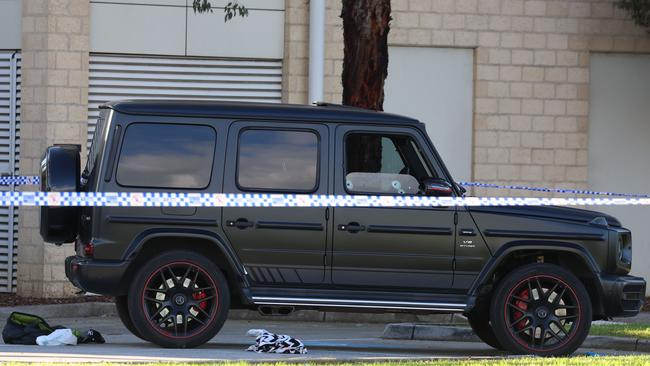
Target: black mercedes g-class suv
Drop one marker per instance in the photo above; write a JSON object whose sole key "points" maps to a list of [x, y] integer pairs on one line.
{"points": [[529, 279]]}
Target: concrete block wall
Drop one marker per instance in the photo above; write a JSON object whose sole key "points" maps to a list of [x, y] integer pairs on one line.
{"points": [[531, 105], [54, 110]]}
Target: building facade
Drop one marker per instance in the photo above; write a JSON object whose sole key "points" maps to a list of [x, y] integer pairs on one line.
{"points": [[526, 92]]}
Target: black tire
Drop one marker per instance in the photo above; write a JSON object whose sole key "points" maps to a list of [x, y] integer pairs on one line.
{"points": [[179, 299], [541, 309], [122, 306], [479, 320]]}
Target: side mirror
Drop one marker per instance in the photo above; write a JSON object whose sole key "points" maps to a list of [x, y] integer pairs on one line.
{"points": [[437, 187]]}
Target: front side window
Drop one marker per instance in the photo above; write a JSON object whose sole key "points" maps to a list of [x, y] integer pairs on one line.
{"points": [[384, 164], [167, 156], [277, 160]]}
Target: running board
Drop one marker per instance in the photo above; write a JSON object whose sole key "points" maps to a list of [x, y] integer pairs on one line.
{"points": [[367, 304]]}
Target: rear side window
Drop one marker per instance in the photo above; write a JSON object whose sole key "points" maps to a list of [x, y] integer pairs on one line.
{"points": [[277, 160], [166, 156]]}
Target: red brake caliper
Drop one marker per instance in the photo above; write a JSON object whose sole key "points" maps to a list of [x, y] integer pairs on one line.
{"points": [[523, 306], [201, 295]]}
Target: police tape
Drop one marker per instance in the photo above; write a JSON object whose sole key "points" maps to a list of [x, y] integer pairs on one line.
{"points": [[552, 190], [32, 180], [161, 199], [19, 180]]}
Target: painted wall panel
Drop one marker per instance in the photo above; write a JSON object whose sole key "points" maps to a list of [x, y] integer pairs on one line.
{"points": [[619, 141], [10, 24], [168, 27], [144, 2], [260, 35], [435, 85], [140, 29], [250, 4]]}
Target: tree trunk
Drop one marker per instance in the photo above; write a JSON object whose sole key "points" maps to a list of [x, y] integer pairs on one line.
{"points": [[365, 61]]}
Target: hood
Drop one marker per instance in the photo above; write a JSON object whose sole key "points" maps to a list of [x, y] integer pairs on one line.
{"points": [[549, 212]]}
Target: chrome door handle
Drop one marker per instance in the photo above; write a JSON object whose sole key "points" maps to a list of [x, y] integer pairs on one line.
{"points": [[240, 223], [352, 227]]}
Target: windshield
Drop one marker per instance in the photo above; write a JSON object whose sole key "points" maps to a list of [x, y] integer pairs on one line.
{"points": [[96, 146]]}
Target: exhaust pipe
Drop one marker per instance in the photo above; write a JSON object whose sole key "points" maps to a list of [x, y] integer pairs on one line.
{"points": [[275, 310]]}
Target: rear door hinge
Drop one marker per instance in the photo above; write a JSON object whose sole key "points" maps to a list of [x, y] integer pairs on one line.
{"points": [[327, 213], [455, 218], [453, 265]]}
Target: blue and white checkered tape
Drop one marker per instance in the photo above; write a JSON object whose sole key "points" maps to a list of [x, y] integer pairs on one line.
{"points": [[19, 180], [161, 199], [553, 190], [122, 199]]}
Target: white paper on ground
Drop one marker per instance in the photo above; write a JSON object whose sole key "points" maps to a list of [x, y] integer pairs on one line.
{"points": [[59, 337]]}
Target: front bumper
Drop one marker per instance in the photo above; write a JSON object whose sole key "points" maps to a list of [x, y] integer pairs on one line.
{"points": [[622, 296], [100, 277]]}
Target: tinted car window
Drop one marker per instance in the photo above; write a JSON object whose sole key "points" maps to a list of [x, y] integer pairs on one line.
{"points": [[166, 156], [279, 160]]}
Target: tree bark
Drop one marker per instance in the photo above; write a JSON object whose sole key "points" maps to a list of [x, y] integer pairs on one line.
{"points": [[365, 61]]}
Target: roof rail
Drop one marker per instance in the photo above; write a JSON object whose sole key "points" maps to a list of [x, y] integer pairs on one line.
{"points": [[317, 103]]}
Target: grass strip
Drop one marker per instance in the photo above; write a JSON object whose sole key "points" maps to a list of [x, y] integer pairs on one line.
{"points": [[518, 361], [631, 330]]}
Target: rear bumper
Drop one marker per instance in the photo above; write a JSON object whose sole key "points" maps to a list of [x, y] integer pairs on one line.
{"points": [[100, 277], [622, 296]]}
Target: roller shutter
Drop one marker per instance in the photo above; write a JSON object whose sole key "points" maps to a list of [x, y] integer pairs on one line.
{"points": [[9, 138], [114, 77]]}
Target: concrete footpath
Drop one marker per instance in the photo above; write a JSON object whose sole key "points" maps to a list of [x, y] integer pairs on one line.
{"points": [[432, 332], [325, 340]]}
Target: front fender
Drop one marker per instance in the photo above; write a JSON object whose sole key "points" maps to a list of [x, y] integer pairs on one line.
{"points": [[535, 245], [530, 245]]}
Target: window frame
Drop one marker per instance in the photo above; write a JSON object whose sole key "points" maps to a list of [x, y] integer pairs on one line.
{"points": [[413, 138], [123, 142], [275, 129]]}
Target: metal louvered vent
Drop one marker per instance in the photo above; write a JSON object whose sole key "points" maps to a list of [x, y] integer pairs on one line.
{"points": [[115, 77], [9, 144]]}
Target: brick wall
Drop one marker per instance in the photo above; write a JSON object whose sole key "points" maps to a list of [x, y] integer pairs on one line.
{"points": [[54, 106], [531, 106]]}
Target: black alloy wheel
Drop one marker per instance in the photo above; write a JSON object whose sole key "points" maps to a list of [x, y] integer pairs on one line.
{"points": [[541, 309], [179, 300]]}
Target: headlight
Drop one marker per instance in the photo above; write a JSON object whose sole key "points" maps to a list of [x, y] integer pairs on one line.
{"points": [[620, 252], [625, 249]]}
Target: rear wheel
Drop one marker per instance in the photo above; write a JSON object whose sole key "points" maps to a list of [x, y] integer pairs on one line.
{"points": [[179, 299], [121, 304], [541, 309]]}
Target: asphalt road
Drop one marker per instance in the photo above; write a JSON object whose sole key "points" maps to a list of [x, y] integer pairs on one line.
{"points": [[324, 341]]}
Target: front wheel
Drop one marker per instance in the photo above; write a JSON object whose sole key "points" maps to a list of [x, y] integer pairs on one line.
{"points": [[479, 320], [541, 309], [179, 299]]}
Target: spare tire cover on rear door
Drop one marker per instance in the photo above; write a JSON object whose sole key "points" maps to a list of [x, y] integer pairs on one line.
{"points": [[60, 172]]}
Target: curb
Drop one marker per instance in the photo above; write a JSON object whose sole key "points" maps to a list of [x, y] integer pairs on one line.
{"points": [[428, 332], [77, 310], [343, 317]]}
